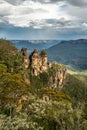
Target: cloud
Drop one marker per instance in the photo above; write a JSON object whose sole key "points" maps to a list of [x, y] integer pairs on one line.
{"points": [[38, 14], [79, 3], [72, 2], [53, 17], [84, 25], [29, 12], [15, 2]]}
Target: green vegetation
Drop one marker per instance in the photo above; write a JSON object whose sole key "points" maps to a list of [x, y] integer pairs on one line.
{"points": [[39, 81], [34, 106], [43, 53], [55, 68], [10, 56], [75, 88]]}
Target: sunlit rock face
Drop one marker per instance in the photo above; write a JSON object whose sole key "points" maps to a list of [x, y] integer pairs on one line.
{"points": [[25, 55], [35, 63], [44, 60], [58, 75], [38, 63]]}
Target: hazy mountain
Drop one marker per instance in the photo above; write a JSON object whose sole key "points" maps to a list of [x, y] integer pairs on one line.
{"points": [[73, 53], [34, 44]]}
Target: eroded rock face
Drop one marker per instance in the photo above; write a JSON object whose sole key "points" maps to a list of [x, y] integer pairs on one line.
{"points": [[44, 60], [26, 59], [35, 63], [38, 63], [58, 75]]}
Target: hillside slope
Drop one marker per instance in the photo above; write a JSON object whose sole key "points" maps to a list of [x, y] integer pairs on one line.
{"points": [[34, 105], [72, 53]]}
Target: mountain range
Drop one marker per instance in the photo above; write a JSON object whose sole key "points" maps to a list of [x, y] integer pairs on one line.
{"points": [[72, 53], [34, 44]]}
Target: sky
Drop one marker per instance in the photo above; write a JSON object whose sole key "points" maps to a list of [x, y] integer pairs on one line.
{"points": [[43, 19]]}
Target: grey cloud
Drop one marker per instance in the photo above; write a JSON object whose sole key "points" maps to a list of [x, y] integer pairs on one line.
{"points": [[4, 12], [24, 11], [60, 22], [78, 2], [15, 2], [72, 2], [3, 20], [62, 26]]}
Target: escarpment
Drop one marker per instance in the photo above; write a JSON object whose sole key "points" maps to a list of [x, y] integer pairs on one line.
{"points": [[37, 63]]}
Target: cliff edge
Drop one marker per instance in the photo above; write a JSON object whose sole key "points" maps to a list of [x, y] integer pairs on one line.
{"points": [[37, 63]]}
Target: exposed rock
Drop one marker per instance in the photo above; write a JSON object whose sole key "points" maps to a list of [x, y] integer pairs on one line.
{"points": [[45, 98], [58, 75], [19, 105], [27, 81], [25, 55], [38, 63], [44, 59], [35, 63]]}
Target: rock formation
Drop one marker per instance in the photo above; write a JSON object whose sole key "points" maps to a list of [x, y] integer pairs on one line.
{"points": [[57, 74], [58, 77], [38, 63], [25, 56], [44, 61], [35, 62]]}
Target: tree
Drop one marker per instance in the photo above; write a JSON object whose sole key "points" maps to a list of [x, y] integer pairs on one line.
{"points": [[12, 88]]}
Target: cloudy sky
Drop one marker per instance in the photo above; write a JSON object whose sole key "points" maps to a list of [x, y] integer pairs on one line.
{"points": [[43, 19]]}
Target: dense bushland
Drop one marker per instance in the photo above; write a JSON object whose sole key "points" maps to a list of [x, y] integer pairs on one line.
{"points": [[34, 106]]}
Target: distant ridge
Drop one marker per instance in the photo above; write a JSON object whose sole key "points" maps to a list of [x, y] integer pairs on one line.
{"points": [[73, 52], [75, 41], [34, 44]]}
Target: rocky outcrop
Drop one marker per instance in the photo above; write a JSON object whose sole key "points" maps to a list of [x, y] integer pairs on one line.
{"points": [[35, 63], [58, 75], [44, 61], [25, 56], [38, 63]]}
